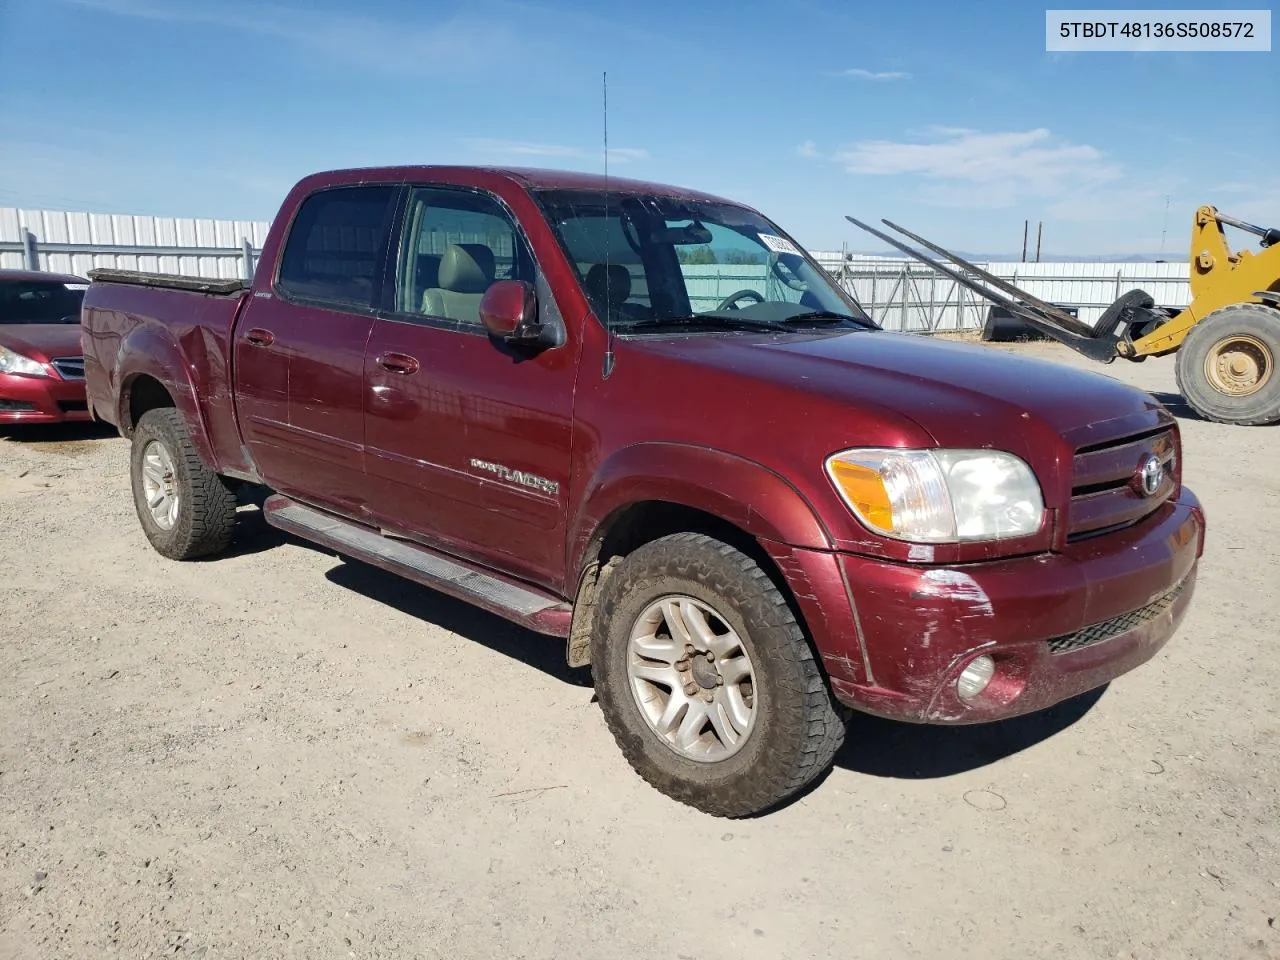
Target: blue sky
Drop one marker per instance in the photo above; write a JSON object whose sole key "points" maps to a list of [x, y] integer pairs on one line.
{"points": [[949, 118]]}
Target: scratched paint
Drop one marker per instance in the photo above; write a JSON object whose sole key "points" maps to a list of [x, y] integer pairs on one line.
{"points": [[959, 586]]}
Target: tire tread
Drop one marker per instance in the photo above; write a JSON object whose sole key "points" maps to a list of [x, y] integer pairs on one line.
{"points": [[206, 527], [813, 730]]}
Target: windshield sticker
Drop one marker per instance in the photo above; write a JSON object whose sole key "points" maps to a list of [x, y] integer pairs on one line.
{"points": [[778, 244], [76, 286]]}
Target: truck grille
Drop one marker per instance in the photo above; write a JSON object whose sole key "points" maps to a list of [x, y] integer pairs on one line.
{"points": [[1106, 629], [69, 368], [1106, 490]]}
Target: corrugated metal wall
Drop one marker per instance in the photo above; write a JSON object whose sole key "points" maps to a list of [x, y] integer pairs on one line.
{"points": [[192, 247]]}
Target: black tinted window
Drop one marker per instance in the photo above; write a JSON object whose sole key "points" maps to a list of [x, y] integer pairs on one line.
{"points": [[335, 249], [40, 301]]}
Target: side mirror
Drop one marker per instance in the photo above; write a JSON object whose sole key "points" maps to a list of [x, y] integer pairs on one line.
{"points": [[509, 311]]}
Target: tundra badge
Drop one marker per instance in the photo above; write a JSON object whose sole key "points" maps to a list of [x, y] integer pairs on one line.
{"points": [[524, 479]]}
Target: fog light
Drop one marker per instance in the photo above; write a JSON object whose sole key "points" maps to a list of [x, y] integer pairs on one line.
{"points": [[975, 677]]}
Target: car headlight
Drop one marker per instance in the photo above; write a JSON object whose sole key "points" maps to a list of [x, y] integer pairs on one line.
{"points": [[939, 496], [11, 362]]}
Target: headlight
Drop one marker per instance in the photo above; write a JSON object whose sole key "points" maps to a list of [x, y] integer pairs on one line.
{"points": [[11, 362], [939, 496]]}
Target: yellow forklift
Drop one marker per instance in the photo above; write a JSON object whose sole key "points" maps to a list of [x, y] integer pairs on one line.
{"points": [[1227, 339]]}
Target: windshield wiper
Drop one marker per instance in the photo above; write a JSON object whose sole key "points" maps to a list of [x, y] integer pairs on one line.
{"points": [[703, 319], [787, 325], [832, 315]]}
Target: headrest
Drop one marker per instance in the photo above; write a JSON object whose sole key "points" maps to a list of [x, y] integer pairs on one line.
{"points": [[466, 268], [609, 283]]}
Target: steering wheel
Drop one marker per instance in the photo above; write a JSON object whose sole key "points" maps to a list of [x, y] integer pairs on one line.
{"points": [[728, 302]]}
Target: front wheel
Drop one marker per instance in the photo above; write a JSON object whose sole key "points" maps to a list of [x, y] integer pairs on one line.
{"points": [[1227, 366], [186, 510], [706, 680]]}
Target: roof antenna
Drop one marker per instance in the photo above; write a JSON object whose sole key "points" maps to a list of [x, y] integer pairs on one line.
{"points": [[608, 301]]}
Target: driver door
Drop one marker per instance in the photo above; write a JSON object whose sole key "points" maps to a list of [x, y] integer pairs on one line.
{"points": [[467, 441]]}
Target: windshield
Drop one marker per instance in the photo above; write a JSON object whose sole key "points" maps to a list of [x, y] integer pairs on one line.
{"points": [[40, 301], [647, 261]]}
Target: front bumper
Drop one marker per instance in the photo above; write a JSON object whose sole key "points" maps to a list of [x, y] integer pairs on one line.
{"points": [[26, 399], [1057, 625]]}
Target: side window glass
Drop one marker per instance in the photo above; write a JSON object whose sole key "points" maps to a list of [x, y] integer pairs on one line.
{"points": [[336, 245], [456, 244]]}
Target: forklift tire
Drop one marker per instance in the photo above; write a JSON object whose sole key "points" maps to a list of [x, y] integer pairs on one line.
{"points": [[1228, 365]]}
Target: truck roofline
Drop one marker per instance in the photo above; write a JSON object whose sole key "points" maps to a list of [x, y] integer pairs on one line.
{"points": [[529, 178]]}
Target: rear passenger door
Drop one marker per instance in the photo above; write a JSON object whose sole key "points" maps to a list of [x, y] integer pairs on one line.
{"points": [[446, 404], [299, 352]]}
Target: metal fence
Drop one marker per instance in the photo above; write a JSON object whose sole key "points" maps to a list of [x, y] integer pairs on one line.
{"points": [[907, 295], [61, 242], [901, 294]]}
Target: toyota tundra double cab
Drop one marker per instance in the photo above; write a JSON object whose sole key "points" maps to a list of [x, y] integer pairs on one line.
{"points": [[644, 420]]}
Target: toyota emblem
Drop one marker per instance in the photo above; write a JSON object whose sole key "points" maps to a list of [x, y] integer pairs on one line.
{"points": [[1150, 475]]}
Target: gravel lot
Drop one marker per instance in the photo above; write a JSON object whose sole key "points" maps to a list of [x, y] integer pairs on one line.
{"points": [[278, 754]]}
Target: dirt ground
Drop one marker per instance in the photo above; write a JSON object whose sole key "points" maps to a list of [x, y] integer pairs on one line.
{"points": [[278, 754]]}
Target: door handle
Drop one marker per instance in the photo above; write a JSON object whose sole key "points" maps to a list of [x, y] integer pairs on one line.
{"points": [[400, 363], [261, 337]]}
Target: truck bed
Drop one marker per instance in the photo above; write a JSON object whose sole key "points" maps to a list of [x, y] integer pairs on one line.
{"points": [[166, 332], [217, 287]]}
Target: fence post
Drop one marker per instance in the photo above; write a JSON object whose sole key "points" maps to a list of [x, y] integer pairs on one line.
{"points": [[30, 252], [246, 264]]}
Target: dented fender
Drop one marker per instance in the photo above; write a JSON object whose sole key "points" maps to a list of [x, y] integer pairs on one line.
{"points": [[149, 351]]}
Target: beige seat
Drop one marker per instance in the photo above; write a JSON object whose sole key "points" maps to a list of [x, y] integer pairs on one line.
{"points": [[466, 272]]}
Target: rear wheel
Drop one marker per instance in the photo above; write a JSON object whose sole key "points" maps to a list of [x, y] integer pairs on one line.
{"points": [[186, 510], [1227, 366], [706, 680]]}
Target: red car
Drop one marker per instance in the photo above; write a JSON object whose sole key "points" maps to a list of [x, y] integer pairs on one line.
{"points": [[41, 361]]}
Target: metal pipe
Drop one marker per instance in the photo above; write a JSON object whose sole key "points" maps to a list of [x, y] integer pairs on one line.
{"points": [[1242, 225], [30, 252]]}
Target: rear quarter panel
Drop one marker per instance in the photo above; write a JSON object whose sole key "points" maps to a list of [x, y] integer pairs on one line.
{"points": [[182, 340]]}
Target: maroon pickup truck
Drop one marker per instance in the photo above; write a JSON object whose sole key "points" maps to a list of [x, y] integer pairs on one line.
{"points": [[642, 419]]}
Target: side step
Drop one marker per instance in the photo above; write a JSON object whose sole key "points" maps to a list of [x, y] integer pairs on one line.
{"points": [[515, 601]]}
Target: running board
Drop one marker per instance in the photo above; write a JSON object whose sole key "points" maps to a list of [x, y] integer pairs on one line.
{"points": [[507, 598]]}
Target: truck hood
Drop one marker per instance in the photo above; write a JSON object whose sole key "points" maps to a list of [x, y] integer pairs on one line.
{"points": [[955, 392], [42, 341]]}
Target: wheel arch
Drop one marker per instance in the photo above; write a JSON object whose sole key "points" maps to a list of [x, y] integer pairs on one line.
{"points": [[650, 490], [152, 374]]}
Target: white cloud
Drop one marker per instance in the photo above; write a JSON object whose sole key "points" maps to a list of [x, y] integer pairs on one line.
{"points": [[970, 168], [808, 149], [858, 73], [400, 45], [523, 149]]}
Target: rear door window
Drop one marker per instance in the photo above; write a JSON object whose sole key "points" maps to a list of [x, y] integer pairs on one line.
{"points": [[337, 246]]}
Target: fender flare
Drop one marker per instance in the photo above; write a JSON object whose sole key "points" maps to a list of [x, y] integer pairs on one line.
{"points": [[747, 494], [146, 351]]}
